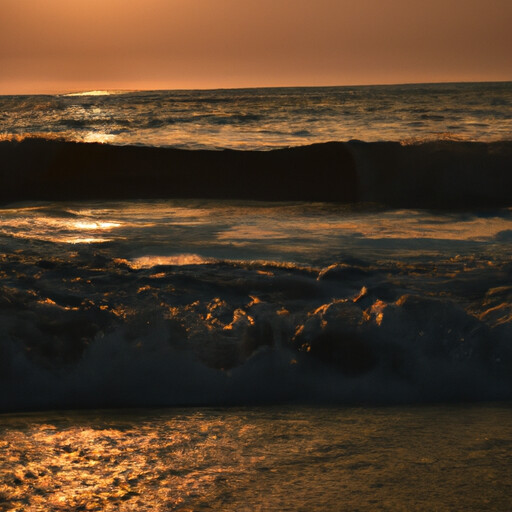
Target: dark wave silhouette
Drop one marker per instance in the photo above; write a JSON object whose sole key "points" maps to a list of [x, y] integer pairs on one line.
{"points": [[440, 174]]}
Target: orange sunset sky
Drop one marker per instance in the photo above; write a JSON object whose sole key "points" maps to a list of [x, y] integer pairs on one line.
{"points": [[67, 45]]}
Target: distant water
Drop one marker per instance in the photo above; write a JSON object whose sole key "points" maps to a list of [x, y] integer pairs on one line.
{"points": [[267, 118]]}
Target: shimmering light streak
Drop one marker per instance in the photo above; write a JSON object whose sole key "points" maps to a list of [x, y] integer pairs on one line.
{"points": [[288, 458]]}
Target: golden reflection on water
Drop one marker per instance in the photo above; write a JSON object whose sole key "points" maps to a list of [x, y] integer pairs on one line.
{"points": [[286, 458], [56, 229], [95, 225], [229, 223], [137, 467], [104, 138], [386, 225]]}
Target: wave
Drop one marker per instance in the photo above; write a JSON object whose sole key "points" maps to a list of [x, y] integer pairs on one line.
{"points": [[186, 332], [432, 174]]}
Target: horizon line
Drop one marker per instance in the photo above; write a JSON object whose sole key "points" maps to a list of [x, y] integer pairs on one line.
{"points": [[62, 92]]}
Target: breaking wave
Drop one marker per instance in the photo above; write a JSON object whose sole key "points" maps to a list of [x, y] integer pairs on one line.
{"points": [[443, 174], [99, 332]]}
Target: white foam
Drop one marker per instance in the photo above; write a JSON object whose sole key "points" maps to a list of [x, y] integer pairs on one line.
{"points": [[176, 259]]}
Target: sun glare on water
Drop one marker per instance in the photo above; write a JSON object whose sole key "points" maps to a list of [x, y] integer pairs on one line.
{"points": [[91, 93]]}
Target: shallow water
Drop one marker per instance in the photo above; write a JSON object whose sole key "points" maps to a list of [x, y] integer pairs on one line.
{"points": [[288, 458], [158, 232]]}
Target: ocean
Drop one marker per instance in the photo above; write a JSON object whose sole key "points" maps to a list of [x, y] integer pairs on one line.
{"points": [[266, 118], [261, 299]]}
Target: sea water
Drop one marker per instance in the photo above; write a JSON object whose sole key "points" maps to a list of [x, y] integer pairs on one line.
{"points": [[213, 302], [266, 118], [285, 458], [264, 310]]}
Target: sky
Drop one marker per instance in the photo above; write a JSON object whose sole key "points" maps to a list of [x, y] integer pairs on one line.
{"points": [[71, 45]]}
